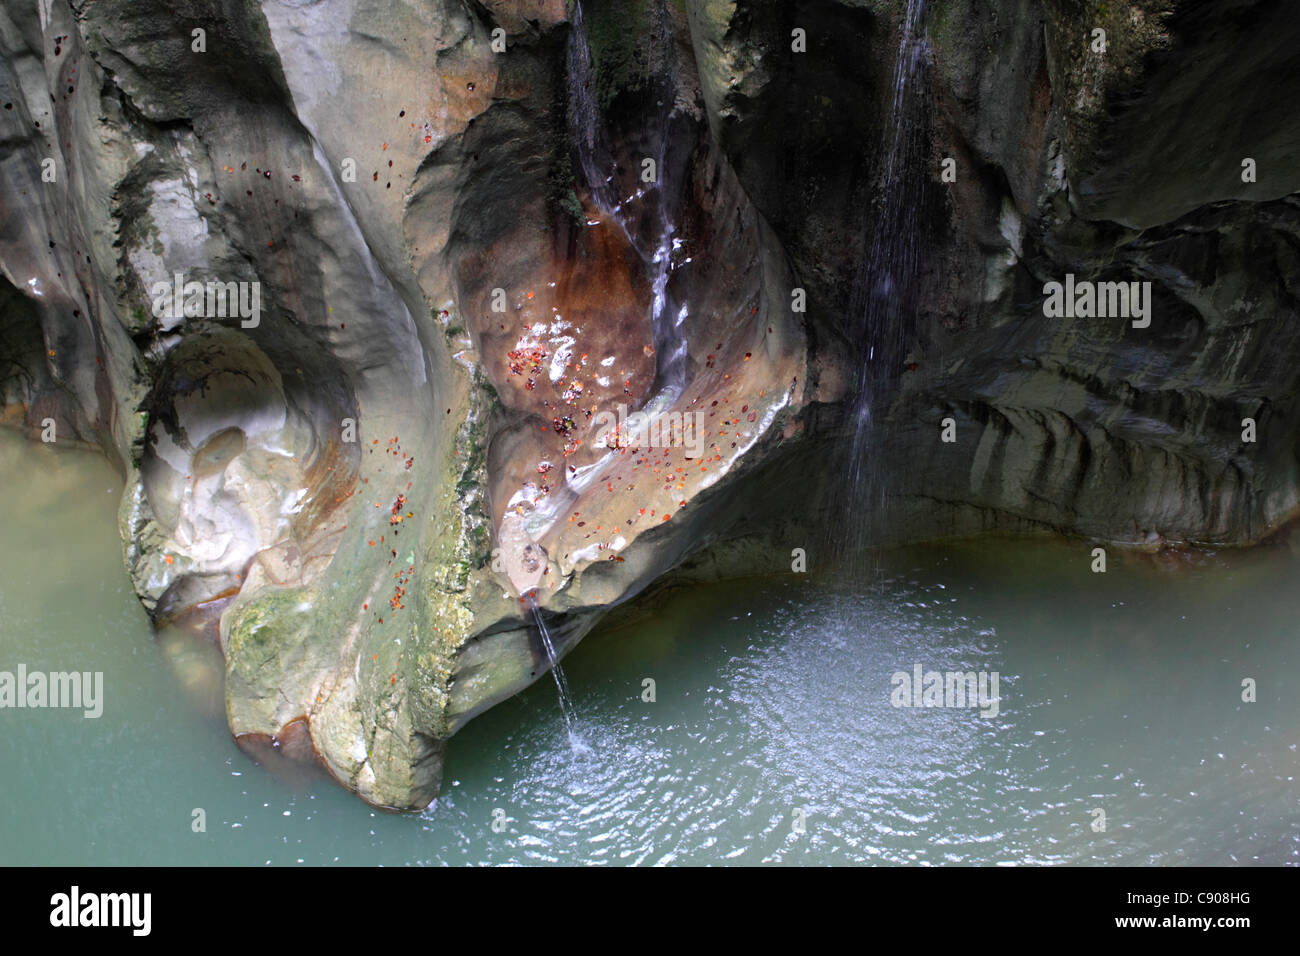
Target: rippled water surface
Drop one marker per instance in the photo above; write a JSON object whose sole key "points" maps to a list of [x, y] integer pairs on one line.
{"points": [[772, 738]]}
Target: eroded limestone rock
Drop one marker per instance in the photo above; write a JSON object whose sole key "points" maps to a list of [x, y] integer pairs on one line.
{"points": [[486, 322]]}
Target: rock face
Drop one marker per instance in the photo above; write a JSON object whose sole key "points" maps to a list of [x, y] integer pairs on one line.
{"points": [[1131, 169], [1122, 165], [514, 307]]}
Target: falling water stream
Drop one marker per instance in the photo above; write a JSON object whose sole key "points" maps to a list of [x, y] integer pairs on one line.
{"points": [[561, 682], [596, 161], [884, 293], [584, 117]]}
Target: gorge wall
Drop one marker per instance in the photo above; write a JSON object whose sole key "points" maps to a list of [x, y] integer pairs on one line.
{"points": [[467, 277]]}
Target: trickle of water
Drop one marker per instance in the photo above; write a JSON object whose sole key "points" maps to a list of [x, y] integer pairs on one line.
{"points": [[596, 160], [584, 117], [561, 682], [886, 287]]}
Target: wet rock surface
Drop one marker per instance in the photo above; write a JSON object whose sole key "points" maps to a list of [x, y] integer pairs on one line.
{"points": [[1122, 165], [527, 318]]}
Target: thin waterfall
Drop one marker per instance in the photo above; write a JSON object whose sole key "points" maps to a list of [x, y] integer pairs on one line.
{"points": [[596, 162], [561, 682], [585, 125], [886, 287]]}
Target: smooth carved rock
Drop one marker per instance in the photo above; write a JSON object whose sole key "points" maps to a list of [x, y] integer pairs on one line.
{"points": [[471, 281]]}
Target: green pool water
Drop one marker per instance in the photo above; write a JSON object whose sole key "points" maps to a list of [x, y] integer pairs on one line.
{"points": [[772, 737]]}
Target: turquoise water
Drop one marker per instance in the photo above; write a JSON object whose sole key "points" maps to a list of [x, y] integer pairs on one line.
{"points": [[1119, 691]]}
